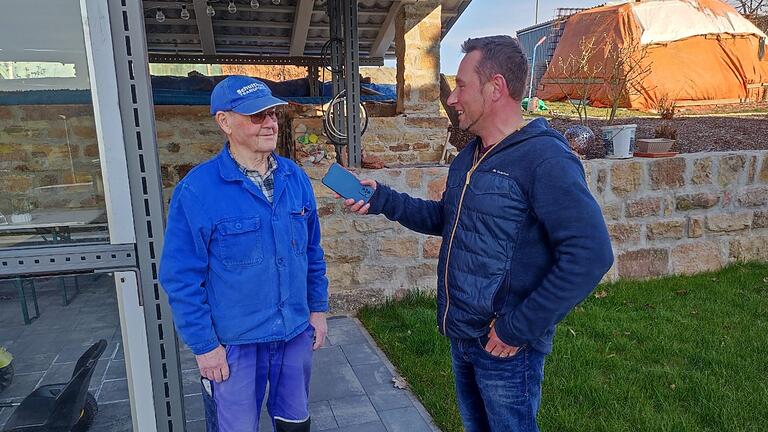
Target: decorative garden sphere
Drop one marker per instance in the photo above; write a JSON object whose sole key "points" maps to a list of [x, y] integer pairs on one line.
{"points": [[580, 138]]}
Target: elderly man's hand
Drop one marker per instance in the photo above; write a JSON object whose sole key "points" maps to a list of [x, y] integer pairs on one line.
{"points": [[359, 207], [317, 319], [213, 364]]}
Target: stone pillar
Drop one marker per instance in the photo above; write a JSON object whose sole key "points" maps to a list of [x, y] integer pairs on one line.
{"points": [[417, 42]]}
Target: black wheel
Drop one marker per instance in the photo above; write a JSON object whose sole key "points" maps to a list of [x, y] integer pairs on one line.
{"points": [[87, 415], [6, 376]]}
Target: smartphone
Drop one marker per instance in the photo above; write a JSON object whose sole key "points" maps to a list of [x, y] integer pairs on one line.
{"points": [[346, 184]]}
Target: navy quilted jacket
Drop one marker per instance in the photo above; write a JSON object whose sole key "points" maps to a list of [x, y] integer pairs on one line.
{"points": [[523, 239]]}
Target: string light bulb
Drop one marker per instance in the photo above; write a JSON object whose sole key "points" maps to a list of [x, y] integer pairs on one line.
{"points": [[232, 8], [184, 12], [255, 4], [160, 16], [210, 11]]}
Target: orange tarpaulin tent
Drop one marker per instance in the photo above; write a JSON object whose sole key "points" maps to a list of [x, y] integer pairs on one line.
{"points": [[699, 52]]}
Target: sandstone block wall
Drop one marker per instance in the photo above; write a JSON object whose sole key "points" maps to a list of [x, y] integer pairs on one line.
{"points": [[691, 213], [417, 48], [398, 140], [36, 143], [371, 252]]}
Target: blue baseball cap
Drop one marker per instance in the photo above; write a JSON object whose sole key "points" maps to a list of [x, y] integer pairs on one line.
{"points": [[243, 95]]}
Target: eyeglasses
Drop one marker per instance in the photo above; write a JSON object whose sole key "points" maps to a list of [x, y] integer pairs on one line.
{"points": [[259, 117]]}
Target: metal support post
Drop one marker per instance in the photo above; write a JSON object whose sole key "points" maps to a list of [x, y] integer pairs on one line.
{"points": [[337, 66], [352, 75], [337, 45], [137, 113], [313, 74]]}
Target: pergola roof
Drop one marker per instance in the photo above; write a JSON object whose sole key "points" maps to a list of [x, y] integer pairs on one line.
{"points": [[292, 28]]}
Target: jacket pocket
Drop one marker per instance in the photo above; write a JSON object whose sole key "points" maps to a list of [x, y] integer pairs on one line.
{"points": [[498, 209], [299, 230], [240, 241], [482, 341]]}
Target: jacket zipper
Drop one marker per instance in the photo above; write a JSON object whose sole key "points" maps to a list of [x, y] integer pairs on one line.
{"points": [[453, 233]]}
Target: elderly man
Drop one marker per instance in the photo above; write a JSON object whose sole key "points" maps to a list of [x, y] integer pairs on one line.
{"points": [[244, 270], [523, 240]]}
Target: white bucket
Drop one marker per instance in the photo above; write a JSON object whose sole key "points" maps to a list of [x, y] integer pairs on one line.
{"points": [[19, 218], [619, 140]]}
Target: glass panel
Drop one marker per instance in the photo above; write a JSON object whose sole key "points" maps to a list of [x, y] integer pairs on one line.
{"points": [[51, 187], [47, 324]]}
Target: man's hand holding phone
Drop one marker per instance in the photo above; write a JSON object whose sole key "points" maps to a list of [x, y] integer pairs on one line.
{"points": [[359, 207], [356, 192]]}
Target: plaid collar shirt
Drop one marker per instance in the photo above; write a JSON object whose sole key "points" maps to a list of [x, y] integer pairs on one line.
{"points": [[266, 182]]}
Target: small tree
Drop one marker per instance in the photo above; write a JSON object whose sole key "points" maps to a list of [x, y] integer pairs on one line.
{"points": [[666, 107], [751, 8], [754, 10], [627, 66], [580, 72]]}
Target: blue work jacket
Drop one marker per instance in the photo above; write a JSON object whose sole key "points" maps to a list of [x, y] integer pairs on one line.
{"points": [[237, 268]]}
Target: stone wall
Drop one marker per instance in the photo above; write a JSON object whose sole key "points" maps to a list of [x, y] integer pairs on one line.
{"points": [[389, 141], [48, 158], [417, 49], [371, 253], [35, 147], [691, 213]]}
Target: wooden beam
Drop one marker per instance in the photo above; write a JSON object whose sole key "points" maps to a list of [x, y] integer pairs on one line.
{"points": [[573, 81], [708, 102], [301, 19], [386, 32], [445, 93], [204, 28]]}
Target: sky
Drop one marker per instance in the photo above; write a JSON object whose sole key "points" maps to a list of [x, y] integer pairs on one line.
{"points": [[493, 17]]}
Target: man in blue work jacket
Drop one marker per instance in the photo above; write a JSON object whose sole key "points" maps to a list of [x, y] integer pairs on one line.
{"points": [[244, 270], [523, 240]]}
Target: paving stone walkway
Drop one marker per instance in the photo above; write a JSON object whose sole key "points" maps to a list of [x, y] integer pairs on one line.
{"points": [[351, 389]]}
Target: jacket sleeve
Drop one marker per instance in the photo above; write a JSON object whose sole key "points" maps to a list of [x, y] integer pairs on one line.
{"points": [[579, 241], [317, 283], [423, 216], [183, 270]]}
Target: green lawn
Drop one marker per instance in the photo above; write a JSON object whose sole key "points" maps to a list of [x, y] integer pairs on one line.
{"points": [[567, 110], [673, 354]]}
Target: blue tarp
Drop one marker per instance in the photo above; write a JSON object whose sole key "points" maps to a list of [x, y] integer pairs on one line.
{"points": [[195, 90]]}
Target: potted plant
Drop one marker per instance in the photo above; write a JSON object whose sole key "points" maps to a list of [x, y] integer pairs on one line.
{"points": [[22, 213], [626, 65], [665, 134], [6, 369]]}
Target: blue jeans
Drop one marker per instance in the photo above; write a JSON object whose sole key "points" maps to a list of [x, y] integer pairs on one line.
{"points": [[497, 394]]}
